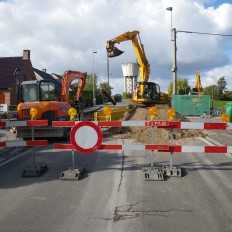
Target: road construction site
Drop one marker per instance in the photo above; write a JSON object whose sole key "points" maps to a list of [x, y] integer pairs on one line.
{"points": [[112, 194]]}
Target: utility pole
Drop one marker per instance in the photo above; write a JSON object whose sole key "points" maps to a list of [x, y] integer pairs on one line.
{"points": [[174, 68], [94, 98]]}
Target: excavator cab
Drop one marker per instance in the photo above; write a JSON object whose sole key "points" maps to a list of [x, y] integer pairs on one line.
{"points": [[40, 94], [147, 92], [36, 91]]}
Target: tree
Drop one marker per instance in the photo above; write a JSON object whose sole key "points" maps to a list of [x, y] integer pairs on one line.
{"points": [[89, 82], [104, 85], [221, 84], [182, 87], [88, 90], [126, 95], [212, 91], [217, 92], [208, 90]]}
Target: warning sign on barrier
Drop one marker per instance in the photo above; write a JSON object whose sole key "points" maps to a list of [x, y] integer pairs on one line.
{"points": [[157, 123], [86, 137]]}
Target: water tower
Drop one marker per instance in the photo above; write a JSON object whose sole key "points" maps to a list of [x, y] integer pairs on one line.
{"points": [[130, 73]]}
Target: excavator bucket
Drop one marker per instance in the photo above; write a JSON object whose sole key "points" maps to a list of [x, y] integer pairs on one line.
{"points": [[103, 91], [114, 52]]}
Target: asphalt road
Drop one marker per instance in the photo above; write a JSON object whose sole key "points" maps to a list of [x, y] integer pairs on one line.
{"points": [[113, 195]]}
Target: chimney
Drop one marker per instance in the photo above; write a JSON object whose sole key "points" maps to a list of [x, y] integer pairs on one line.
{"points": [[44, 70], [26, 54]]}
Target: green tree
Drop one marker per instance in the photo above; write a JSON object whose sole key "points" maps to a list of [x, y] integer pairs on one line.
{"points": [[126, 95], [217, 92], [89, 82], [183, 87], [221, 84], [104, 85], [102, 97], [208, 90], [228, 96]]}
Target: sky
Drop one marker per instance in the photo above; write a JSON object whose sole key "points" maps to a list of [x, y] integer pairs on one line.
{"points": [[62, 35]]}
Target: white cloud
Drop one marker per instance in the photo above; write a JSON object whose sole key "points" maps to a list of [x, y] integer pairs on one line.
{"points": [[63, 34], [212, 76]]}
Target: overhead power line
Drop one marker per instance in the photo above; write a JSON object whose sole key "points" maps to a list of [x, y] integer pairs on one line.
{"points": [[203, 33]]}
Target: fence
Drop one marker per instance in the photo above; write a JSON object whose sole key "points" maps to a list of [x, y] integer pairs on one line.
{"points": [[149, 173], [34, 170], [92, 130]]}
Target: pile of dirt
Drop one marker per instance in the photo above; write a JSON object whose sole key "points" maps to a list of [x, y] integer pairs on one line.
{"points": [[144, 134]]}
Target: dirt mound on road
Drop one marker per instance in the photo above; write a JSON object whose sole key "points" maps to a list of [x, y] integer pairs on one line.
{"points": [[143, 134]]}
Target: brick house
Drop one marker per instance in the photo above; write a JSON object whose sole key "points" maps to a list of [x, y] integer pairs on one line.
{"points": [[14, 70]]}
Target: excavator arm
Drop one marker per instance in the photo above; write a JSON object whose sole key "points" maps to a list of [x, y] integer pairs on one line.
{"points": [[198, 89], [69, 76], [113, 51], [146, 92]]}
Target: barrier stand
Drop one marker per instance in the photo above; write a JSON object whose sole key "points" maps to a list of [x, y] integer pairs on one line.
{"points": [[34, 170], [153, 173], [170, 170], [72, 173]]}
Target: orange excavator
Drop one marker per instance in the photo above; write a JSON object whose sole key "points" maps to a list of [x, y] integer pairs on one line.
{"points": [[43, 95], [70, 76]]}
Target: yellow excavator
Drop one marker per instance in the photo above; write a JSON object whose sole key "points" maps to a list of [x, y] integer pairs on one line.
{"points": [[146, 92], [198, 90]]}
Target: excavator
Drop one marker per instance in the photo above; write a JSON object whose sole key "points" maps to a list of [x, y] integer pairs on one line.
{"points": [[43, 95], [198, 90], [146, 93]]}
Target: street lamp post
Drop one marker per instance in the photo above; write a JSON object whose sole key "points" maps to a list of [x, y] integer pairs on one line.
{"points": [[170, 9], [94, 99]]}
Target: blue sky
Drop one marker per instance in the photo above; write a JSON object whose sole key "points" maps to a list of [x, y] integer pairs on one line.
{"points": [[216, 3], [62, 35]]}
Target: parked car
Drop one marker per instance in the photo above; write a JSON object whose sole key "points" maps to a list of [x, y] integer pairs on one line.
{"points": [[118, 97]]}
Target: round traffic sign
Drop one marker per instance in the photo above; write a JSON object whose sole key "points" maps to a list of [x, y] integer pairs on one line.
{"points": [[86, 137]]}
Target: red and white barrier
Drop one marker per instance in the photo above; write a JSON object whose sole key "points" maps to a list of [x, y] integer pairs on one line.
{"points": [[158, 147], [159, 124], [82, 146], [29, 143], [24, 123]]}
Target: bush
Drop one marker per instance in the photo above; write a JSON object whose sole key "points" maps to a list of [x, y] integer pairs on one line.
{"points": [[127, 95]]}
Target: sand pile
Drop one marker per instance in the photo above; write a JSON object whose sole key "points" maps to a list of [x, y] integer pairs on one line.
{"points": [[143, 134]]}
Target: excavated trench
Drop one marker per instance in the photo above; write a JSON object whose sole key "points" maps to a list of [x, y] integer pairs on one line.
{"points": [[143, 134]]}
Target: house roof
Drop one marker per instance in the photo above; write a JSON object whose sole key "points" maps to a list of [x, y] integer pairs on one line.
{"points": [[7, 69], [57, 77], [46, 76]]}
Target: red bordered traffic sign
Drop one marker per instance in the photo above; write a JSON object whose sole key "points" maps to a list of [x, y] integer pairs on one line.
{"points": [[86, 137]]}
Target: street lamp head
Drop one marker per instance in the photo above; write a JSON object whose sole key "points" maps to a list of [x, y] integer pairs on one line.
{"points": [[169, 8], [94, 52]]}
